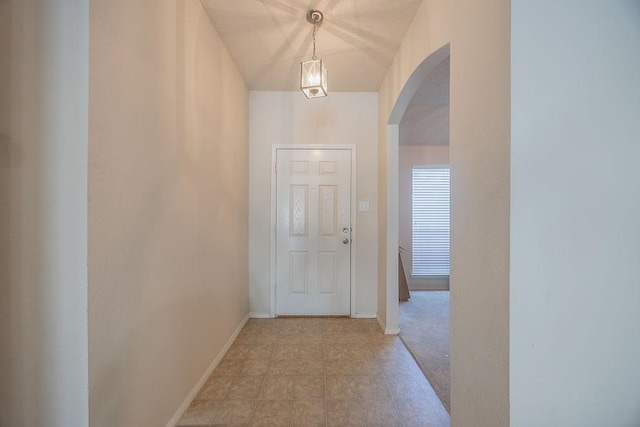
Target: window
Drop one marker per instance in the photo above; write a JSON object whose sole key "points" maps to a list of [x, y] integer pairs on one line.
{"points": [[430, 215]]}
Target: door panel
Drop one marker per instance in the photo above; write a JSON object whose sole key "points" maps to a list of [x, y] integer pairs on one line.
{"points": [[313, 264]]}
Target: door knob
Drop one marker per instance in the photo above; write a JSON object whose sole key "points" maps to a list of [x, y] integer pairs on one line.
{"points": [[345, 241]]}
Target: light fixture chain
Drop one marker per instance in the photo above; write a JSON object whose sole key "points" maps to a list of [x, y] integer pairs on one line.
{"points": [[315, 27]]}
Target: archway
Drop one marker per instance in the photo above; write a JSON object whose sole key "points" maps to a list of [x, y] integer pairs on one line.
{"points": [[393, 137], [419, 85]]}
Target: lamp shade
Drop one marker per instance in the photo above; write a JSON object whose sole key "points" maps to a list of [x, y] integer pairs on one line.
{"points": [[313, 78]]}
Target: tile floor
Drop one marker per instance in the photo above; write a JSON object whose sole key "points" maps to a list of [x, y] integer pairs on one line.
{"points": [[316, 372]]}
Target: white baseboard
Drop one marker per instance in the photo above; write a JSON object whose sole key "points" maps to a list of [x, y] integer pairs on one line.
{"points": [[436, 287], [365, 316], [258, 315], [196, 389], [428, 283], [387, 330]]}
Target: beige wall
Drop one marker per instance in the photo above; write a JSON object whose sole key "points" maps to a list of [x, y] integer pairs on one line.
{"points": [[480, 182], [479, 33], [290, 118], [411, 156], [43, 226], [428, 32], [168, 202]]}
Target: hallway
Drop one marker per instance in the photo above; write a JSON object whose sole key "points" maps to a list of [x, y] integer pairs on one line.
{"points": [[316, 372], [138, 216]]}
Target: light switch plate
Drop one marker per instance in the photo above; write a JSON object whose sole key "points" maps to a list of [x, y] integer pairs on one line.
{"points": [[363, 206]]}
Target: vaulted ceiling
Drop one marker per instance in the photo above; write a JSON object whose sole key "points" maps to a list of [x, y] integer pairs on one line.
{"points": [[358, 40], [268, 39]]}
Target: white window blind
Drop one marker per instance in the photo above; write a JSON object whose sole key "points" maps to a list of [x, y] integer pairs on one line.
{"points": [[430, 214]]}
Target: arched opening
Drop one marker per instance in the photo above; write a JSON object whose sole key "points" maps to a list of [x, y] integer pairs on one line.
{"points": [[393, 138], [418, 137]]}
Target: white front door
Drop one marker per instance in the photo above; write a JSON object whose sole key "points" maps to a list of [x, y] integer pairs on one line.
{"points": [[313, 264]]}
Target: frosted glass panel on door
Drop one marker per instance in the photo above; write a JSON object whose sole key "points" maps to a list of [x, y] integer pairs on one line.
{"points": [[298, 215], [328, 211]]}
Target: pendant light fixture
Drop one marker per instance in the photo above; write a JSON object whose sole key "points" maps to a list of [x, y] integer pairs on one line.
{"points": [[313, 74]]}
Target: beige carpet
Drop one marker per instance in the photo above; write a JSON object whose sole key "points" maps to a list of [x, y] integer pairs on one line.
{"points": [[424, 328]]}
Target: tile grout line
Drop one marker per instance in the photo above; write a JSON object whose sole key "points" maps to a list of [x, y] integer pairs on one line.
{"points": [[302, 342], [392, 398], [324, 377]]}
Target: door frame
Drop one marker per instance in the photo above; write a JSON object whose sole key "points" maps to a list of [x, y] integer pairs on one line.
{"points": [[353, 211]]}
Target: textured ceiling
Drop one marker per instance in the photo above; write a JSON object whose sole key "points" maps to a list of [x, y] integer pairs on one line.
{"points": [[268, 39], [426, 119]]}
